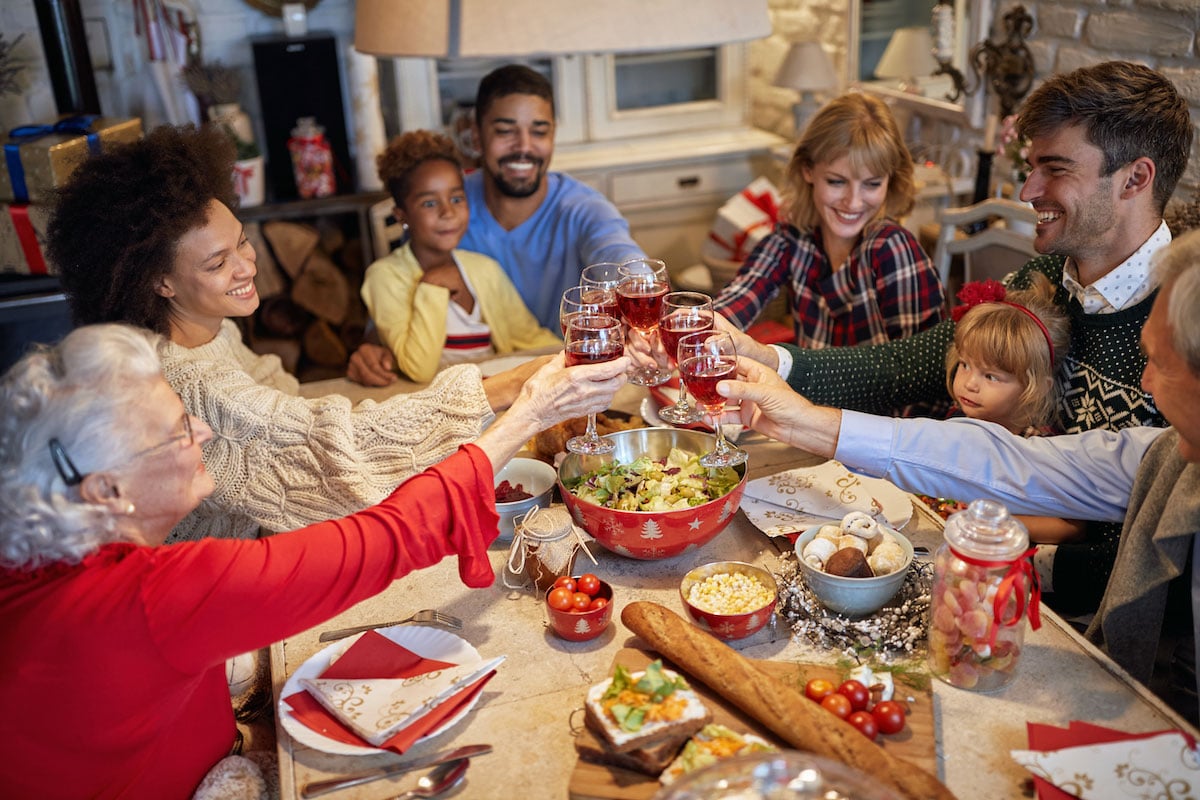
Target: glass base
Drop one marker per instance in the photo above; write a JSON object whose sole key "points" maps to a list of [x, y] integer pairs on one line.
{"points": [[649, 376], [590, 447], [677, 415], [731, 457]]}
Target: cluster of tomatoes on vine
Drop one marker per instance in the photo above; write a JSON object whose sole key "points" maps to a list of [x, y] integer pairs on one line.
{"points": [[851, 701], [576, 595]]}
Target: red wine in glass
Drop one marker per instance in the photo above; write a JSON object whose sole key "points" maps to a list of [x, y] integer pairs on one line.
{"points": [[592, 352], [641, 302], [603, 300], [701, 374], [674, 327]]}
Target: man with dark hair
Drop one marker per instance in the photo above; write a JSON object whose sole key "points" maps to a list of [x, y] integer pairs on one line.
{"points": [[1148, 477], [1108, 144], [543, 227]]}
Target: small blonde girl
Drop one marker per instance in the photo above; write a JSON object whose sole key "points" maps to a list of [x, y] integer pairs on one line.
{"points": [[1007, 348], [1001, 368]]}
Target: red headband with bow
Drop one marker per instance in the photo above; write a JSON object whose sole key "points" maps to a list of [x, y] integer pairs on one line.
{"points": [[979, 292]]}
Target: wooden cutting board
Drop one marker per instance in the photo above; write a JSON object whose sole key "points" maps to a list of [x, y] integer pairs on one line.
{"points": [[915, 743]]}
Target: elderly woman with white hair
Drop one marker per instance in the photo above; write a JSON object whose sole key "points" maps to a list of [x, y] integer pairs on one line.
{"points": [[112, 648]]}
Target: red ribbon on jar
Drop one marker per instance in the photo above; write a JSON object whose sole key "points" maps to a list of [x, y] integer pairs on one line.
{"points": [[1019, 577]]}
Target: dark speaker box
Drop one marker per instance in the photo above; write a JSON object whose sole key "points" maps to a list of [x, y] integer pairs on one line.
{"points": [[299, 77]]}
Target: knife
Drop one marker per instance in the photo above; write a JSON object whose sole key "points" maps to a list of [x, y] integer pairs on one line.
{"points": [[325, 787]]}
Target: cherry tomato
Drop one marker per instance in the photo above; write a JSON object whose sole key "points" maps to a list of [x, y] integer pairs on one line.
{"points": [[588, 583], [566, 582], [560, 599], [580, 601], [889, 715], [865, 723], [856, 693], [836, 704], [817, 689], [597, 602]]}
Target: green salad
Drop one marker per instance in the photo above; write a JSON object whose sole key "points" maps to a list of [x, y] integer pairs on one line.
{"points": [[666, 484]]}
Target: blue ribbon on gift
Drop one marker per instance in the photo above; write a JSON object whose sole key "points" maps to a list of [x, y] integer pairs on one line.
{"points": [[80, 124]]}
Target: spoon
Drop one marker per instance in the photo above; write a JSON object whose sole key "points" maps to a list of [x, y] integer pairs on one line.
{"points": [[442, 779]]}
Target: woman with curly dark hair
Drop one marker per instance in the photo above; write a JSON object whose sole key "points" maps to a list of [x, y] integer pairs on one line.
{"points": [[144, 234], [433, 304]]}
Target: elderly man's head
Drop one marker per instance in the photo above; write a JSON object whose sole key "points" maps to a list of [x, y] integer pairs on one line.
{"points": [[1171, 339]]}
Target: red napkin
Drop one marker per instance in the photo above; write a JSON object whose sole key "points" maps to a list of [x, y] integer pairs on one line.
{"points": [[1076, 734], [376, 656]]}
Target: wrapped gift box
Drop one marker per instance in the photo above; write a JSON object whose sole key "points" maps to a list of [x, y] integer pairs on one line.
{"points": [[22, 239], [742, 222], [39, 157]]}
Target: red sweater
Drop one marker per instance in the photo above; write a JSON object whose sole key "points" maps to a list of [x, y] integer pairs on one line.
{"points": [[112, 679]]}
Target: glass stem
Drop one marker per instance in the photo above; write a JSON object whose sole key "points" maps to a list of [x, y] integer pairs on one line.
{"points": [[590, 434]]}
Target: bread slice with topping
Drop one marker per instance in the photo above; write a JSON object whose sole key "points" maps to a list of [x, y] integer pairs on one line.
{"points": [[636, 710]]}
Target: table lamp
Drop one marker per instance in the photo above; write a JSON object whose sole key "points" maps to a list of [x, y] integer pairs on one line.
{"points": [[908, 55], [807, 69]]}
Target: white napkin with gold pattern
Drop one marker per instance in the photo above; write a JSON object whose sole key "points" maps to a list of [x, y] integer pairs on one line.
{"points": [[790, 502], [378, 708], [1160, 765]]}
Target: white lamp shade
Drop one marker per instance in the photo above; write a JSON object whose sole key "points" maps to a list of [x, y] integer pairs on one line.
{"points": [[807, 67], [909, 54], [489, 28]]}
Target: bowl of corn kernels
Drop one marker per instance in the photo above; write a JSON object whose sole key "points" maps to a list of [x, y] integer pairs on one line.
{"points": [[729, 599]]}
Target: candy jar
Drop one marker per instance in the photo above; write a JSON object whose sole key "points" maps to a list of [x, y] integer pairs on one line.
{"points": [[984, 584], [312, 159]]}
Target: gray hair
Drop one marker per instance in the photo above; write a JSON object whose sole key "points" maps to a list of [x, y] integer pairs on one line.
{"points": [[80, 392], [1178, 267]]}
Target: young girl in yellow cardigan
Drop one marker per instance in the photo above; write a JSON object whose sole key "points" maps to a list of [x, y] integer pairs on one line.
{"points": [[435, 305]]}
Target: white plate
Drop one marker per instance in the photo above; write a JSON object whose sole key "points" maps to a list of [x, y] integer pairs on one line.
{"points": [[499, 364], [648, 411], [817, 503], [433, 643]]}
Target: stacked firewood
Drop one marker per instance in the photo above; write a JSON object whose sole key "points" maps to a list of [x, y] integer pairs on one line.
{"points": [[311, 314]]}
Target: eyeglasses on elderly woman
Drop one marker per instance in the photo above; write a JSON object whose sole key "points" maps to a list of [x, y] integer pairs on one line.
{"points": [[73, 477]]}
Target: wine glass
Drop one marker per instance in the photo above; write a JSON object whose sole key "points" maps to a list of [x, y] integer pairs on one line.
{"points": [[704, 359], [584, 300], [682, 313], [592, 339], [640, 296], [604, 275]]}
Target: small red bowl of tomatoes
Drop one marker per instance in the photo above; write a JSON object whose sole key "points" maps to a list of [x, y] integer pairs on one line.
{"points": [[580, 607]]}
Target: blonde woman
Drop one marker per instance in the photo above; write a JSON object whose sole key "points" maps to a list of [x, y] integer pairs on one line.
{"points": [[853, 274]]}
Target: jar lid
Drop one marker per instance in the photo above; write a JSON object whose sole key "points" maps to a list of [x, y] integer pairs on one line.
{"points": [[547, 524], [985, 529]]}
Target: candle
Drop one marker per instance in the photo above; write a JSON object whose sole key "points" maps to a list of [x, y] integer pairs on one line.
{"points": [[943, 32], [989, 133]]}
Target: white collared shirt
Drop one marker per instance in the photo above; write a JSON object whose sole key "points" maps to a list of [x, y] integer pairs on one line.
{"points": [[1129, 284]]}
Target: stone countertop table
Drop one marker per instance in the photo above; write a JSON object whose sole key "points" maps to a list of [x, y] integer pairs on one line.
{"points": [[526, 712]]}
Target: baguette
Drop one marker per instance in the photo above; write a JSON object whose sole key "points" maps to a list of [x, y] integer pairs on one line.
{"points": [[797, 720]]}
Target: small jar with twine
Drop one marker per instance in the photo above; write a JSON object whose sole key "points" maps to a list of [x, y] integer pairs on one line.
{"points": [[543, 549]]}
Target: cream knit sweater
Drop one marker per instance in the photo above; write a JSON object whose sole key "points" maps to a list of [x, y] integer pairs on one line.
{"points": [[281, 461]]}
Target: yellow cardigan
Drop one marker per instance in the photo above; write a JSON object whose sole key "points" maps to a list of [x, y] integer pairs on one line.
{"points": [[411, 316]]}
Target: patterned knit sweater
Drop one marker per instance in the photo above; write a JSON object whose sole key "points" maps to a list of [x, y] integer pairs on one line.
{"points": [[280, 461], [1099, 382]]}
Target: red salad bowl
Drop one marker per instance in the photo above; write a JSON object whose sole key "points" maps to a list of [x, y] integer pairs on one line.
{"points": [[650, 535]]}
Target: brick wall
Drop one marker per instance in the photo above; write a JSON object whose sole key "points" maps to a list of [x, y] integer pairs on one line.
{"points": [[1067, 34]]}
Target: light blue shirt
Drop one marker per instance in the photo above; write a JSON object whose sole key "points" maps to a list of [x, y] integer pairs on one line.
{"points": [[573, 227], [1079, 476]]}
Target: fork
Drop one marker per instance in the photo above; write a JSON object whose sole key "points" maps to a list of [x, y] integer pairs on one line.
{"points": [[425, 615]]}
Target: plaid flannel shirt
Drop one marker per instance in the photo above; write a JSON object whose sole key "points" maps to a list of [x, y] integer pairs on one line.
{"points": [[887, 290]]}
